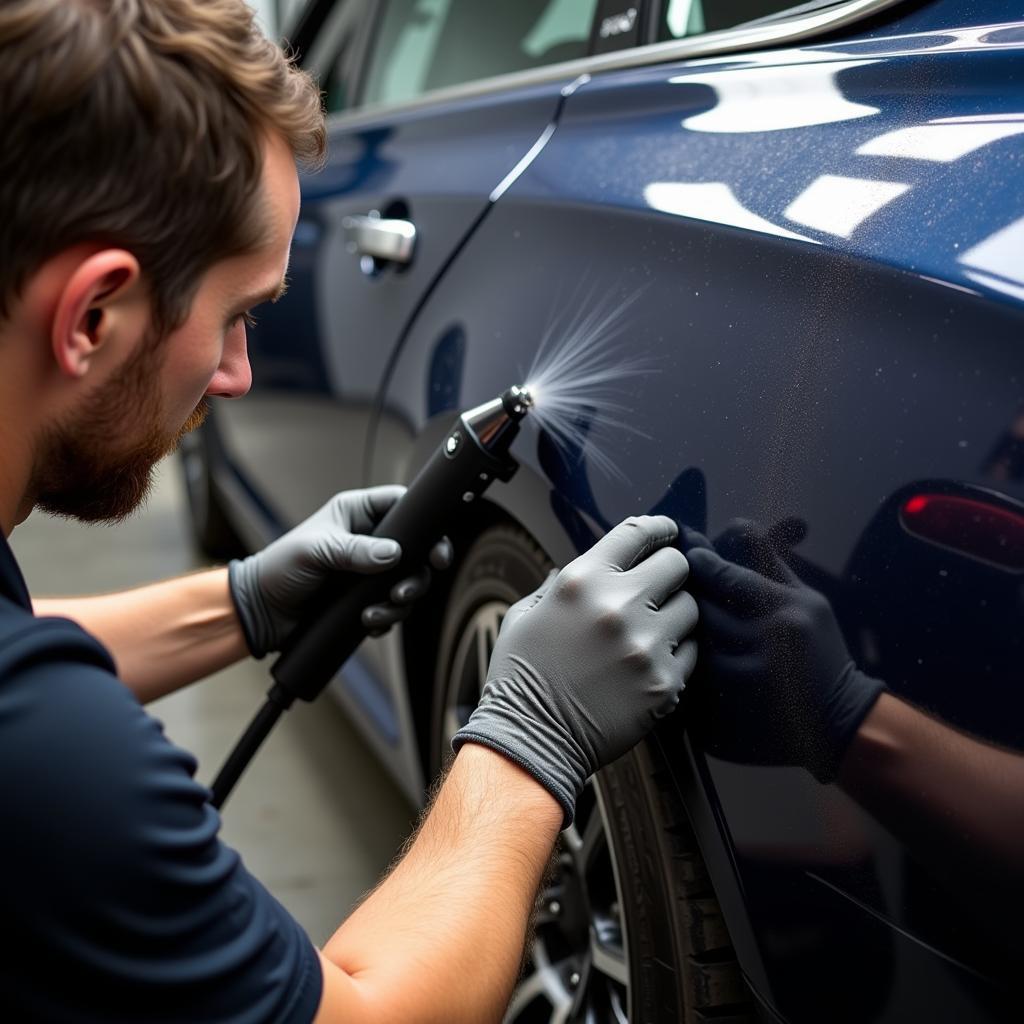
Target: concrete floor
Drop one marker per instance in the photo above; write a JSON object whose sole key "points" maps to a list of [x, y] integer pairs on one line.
{"points": [[315, 818]]}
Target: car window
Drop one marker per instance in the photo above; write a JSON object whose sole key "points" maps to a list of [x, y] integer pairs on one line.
{"points": [[335, 85], [423, 45], [681, 18], [335, 50], [288, 11]]}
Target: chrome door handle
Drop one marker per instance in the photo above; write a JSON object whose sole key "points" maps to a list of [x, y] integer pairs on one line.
{"points": [[383, 239]]}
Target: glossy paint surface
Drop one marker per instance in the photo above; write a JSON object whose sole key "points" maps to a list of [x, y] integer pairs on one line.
{"points": [[875, 148], [824, 251], [819, 255]]}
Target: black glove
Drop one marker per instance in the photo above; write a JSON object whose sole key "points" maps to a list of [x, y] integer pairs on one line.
{"points": [[585, 666], [776, 683], [272, 588]]}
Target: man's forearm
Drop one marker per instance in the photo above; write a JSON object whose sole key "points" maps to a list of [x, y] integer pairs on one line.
{"points": [[441, 939], [163, 636], [956, 802]]}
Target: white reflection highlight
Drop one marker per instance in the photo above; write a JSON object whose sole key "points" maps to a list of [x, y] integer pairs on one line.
{"points": [[977, 118], [711, 201], [971, 39], [908, 45], [775, 98], [998, 261], [839, 205], [942, 141], [685, 18]]}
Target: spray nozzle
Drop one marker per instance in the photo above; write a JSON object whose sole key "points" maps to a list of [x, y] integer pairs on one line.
{"points": [[517, 401], [496, 423]]}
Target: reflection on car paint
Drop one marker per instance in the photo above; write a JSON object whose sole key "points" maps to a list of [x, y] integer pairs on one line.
{"points": [[1006, 34], [975, 528], [1005, 462], [760, 99], [824, 152], [838, 205], [998, 261], [444, 383], [945, 139], [712, 201]]}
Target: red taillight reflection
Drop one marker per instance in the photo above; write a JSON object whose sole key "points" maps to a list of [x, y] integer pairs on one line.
{"points": [[968, 526], [915, 505]]}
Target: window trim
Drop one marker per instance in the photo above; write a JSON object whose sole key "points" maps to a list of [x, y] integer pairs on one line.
{"points": [[743, 37]]}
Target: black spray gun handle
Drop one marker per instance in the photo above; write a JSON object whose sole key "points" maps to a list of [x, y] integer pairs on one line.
{"points": [[438, 499], [473, 454]]}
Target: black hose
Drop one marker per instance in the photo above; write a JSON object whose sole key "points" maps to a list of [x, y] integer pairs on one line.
{"points": [[245, 749]]}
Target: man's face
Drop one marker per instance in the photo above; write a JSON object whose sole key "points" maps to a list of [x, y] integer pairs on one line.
{"points": [[97, 464]]}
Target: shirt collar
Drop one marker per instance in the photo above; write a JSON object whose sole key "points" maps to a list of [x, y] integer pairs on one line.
{"points": [[12, 583]]}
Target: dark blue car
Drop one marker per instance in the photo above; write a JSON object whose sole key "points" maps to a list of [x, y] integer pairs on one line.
{"points": [[769, 262]]}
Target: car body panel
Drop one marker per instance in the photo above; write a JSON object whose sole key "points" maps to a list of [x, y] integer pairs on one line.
{"points": [[745, 211]]}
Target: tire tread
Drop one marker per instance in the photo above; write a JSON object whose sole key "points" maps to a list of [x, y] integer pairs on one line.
{"points": [[706, 983]]}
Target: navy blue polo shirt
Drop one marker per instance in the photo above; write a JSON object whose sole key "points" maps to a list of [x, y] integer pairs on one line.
{"points": [[118, 902]]}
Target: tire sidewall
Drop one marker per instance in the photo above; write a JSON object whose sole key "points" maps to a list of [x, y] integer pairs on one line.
{"points": [[502, 565]]}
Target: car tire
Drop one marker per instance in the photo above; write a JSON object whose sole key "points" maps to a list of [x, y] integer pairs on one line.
{"points": [[628, 928], [212, 532]]}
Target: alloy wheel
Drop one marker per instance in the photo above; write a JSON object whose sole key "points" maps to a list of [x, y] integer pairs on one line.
{"points": [[578, 965]]}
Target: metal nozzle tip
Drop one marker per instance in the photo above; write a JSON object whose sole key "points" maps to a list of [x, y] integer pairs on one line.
{"points": [[517, 401], [524, 394]]}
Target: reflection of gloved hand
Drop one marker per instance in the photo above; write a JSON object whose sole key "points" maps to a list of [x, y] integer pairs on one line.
{"points": [[272, 588], [776, 680], [584, 666]]}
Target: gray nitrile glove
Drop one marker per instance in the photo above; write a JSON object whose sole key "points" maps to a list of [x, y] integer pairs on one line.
{"points": [[585, 666], [272, 588]]}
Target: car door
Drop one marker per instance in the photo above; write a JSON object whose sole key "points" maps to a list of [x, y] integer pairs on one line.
{"points": [[426, 173], [788, 284], [418, 148]]}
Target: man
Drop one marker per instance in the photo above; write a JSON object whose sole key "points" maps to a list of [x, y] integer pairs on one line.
{"points": [[148, 194]]}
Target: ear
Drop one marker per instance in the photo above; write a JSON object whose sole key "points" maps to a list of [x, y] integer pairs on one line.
{"points": [[87, 308]]}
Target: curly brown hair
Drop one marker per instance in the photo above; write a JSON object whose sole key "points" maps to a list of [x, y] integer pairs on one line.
{"points": [[141, 124]]}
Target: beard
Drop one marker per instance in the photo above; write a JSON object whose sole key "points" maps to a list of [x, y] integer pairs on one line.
{"points": [[87, 471]]}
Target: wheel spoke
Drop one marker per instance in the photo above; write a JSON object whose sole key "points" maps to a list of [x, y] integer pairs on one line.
{"points": [[483, 653], [592, 840], [572, 841], [488, 622], [618, 1010], [608, 960], [545, 982]]}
